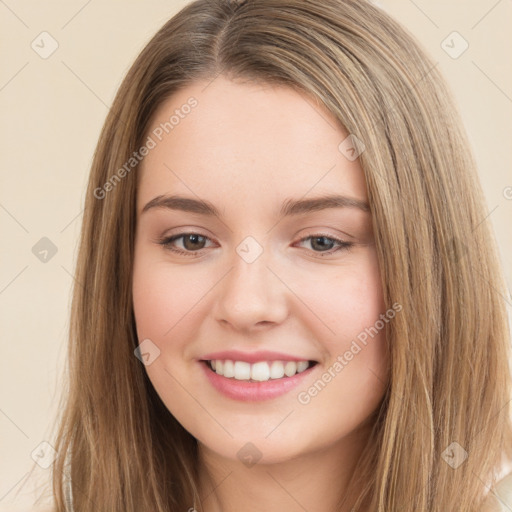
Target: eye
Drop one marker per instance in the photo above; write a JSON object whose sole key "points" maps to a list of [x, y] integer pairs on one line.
{"points": [[325, 243], [194, 243]]}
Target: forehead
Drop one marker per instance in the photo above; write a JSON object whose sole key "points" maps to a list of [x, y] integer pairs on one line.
{"points": [[257, 140]]}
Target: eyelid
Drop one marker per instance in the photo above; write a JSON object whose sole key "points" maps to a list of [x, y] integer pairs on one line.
{"points": [[322, 232]]}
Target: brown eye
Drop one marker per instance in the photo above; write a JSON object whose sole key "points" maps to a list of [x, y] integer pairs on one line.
{"points": [[191, 243]]}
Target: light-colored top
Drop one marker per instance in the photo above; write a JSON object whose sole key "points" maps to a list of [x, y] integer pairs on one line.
{"points": [[500, 498]]}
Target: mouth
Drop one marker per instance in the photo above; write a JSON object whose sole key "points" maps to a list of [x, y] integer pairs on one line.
{"points": [[261, 371]]}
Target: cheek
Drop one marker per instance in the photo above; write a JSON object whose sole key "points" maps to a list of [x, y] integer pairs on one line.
{"points": [[167, 306], [361, 285], [163, 296], [344, 301], [351, 305], [362, 340], [154, 302], [355, 374]]}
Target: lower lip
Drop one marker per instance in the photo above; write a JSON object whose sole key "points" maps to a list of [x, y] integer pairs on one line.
{"points": [[253, 391]]}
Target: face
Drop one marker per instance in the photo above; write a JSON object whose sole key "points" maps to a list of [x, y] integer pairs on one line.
{"points": [[272, 277]]}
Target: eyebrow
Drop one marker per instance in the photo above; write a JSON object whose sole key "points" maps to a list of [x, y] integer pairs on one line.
{"points": [[290, 206]]}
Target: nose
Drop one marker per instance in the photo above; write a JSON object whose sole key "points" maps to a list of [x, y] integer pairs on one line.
{"points": [[251, 296]]}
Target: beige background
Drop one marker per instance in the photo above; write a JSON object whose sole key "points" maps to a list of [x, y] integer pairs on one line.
{"points": [[52, 112]]}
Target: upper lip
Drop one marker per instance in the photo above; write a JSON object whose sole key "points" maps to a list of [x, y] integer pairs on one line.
{"points": [[251, 357]]}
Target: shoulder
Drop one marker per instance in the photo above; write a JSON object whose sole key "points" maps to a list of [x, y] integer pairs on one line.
{"points": [[501, 499]]}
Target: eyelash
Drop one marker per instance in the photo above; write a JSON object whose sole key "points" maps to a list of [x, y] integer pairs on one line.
{"points": [[166, 243]]}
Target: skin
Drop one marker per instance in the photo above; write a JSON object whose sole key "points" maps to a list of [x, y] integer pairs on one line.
{"points": [[247, 148]]}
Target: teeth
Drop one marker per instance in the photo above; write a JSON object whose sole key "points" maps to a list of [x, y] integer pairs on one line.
{"points": [[276, 370], [302, 365], [260, 371], [242, 370], [290, 369], [229, 369]]}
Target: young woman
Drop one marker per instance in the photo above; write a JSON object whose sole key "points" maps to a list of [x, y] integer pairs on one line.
{"points": [[286, 298]]}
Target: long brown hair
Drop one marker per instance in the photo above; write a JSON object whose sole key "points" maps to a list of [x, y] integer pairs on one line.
{"points": [[449, 390]]}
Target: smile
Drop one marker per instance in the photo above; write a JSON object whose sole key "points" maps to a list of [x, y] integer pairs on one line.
{"points": [[235, 379], [260, 371]]}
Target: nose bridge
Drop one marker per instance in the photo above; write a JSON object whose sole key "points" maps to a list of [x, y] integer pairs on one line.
{"points": [[250, 267], [251, 293], [249, 277]]}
